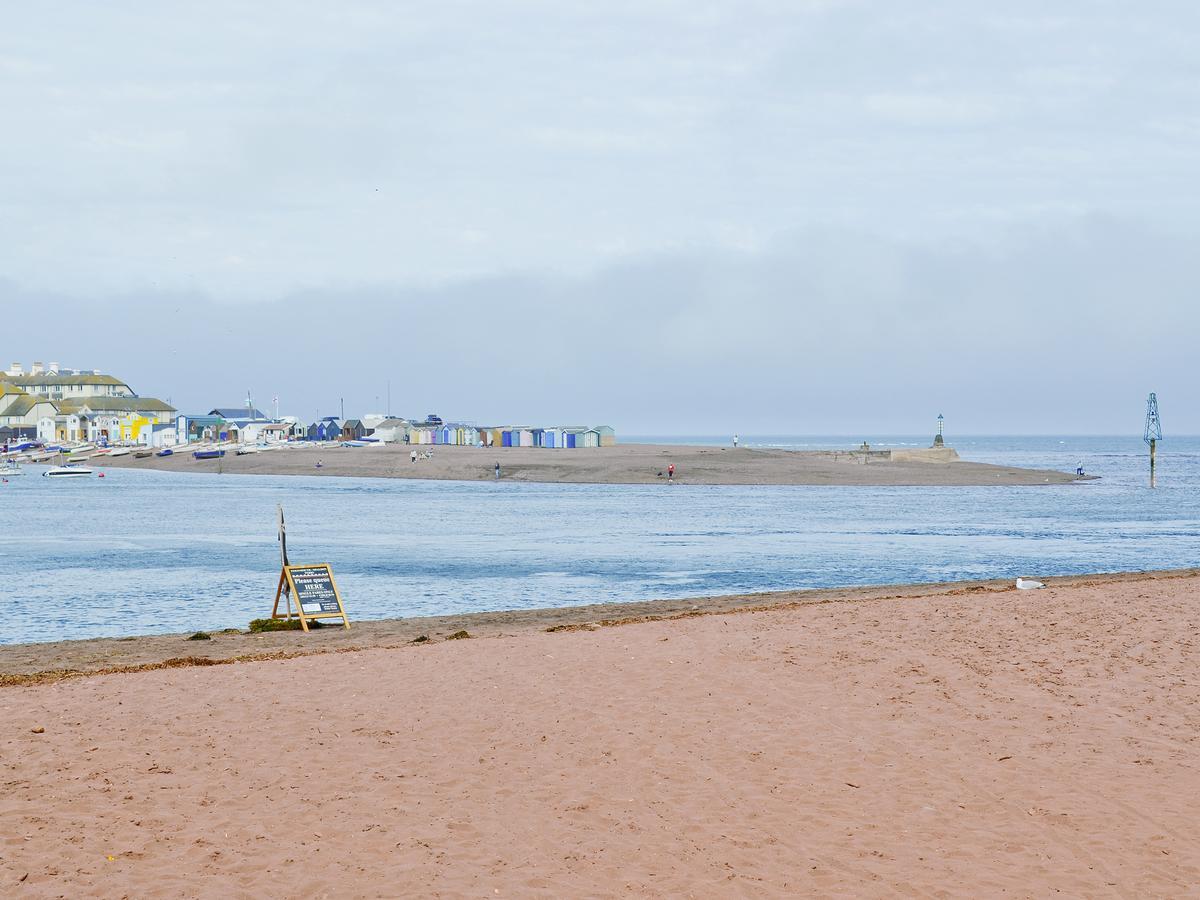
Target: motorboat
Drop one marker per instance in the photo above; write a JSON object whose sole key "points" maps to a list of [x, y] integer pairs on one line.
{"points": [[11, 467], [165, 451], [68, 472], [119, 451], [207, 454], [246, 450]]}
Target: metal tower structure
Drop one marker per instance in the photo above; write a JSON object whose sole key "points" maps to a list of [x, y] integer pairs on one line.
{"points": [[1153, 431]]}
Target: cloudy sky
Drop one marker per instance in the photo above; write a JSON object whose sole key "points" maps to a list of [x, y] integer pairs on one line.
{"points": [[675, 217]]}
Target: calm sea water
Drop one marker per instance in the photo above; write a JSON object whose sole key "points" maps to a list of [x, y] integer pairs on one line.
{"points": [[143, 551]]}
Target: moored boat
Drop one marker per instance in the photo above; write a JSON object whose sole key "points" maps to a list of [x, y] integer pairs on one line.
{"points": [[119, 451], [165, 451], [207, 454], [68, 472], [143, 454]]}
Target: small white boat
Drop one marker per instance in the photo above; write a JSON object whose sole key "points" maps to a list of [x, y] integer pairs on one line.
{"points": [[11, 467], [82, 448], [119, 451], [246, 450], [68, 472]]}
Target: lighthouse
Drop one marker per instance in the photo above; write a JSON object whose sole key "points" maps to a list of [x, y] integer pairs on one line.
{"points": [[937, 438]]}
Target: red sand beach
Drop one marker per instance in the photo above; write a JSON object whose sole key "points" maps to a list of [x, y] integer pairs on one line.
{"points": [[959, 742]]}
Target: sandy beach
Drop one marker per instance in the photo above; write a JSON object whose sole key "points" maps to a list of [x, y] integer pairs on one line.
{"points": [[955, 740], [623, 464]]}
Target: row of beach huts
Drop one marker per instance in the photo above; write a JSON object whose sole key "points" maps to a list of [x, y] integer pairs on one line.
{"points": [[461, 434]]}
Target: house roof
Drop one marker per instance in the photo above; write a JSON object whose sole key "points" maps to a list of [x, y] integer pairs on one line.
{"points": [[237, 412], [115, 404], [9, 388], [65, 380], [350, 423], [23, 404]]}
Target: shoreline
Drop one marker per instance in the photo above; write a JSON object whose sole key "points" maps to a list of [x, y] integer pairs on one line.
{"points": [[626, 464], [49, 661]]}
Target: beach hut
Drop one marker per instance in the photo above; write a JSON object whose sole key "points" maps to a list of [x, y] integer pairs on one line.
{"points": [[522, 436], [591, 438], [608, 435], [572, 436], [506, 438], [392, 431], [353, 430]]}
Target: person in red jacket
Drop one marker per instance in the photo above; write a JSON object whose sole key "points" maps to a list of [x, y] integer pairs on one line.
{"points": [[671, 472]]}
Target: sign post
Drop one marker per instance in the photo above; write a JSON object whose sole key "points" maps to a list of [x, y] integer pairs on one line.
{"points": [[315, 592]]}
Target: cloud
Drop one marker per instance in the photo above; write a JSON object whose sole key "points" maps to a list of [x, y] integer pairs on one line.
{"points": [[820, 331], [825, 216]]}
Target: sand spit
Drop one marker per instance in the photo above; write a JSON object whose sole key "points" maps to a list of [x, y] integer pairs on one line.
{"points": [[623, 464], [956, 741]]}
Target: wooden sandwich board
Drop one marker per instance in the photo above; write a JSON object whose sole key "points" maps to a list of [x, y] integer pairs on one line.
{"points": [[315, 592], [313, 588]]}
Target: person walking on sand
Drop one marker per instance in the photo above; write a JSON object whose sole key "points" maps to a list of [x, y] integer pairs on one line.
{"points": [[412, 454], [671, 473], [735, 442], [497, 471]]}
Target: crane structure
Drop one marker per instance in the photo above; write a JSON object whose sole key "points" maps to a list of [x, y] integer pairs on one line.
{"points": [[1153, 431]]}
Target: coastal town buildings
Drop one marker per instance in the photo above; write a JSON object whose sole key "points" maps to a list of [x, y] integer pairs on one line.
{"points": [[56, 404]]}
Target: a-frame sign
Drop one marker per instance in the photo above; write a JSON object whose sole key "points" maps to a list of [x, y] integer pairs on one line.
{"points": [[312, 586]]}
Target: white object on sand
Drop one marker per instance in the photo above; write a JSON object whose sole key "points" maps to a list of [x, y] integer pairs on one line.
{"points": [[1028, 584]]}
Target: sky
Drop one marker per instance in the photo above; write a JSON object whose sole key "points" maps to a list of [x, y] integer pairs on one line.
{"points": [[806, 217]]}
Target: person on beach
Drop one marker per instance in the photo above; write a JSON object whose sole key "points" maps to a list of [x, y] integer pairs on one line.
{"points": [[413, 456], [735, 442], [497, 471], [318, 464], [671, 473]]}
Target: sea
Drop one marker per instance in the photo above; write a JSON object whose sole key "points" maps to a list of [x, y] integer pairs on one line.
{"points": [[140, 552]]}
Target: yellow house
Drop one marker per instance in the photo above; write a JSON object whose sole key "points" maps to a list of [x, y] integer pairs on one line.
{"points": [[132, 425]]}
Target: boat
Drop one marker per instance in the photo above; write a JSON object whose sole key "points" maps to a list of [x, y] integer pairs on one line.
{"points": [[246, 451], [11, 467], [143, 454], [68, 472], [165, 451], [207, 454], [119, 451]]}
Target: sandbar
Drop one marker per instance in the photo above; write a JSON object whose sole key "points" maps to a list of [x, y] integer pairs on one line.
{"points": [[622, 464]]}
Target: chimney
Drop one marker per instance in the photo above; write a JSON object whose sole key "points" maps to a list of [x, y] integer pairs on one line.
{"points": [[53, 368], [16, 370], [36, 368]]}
